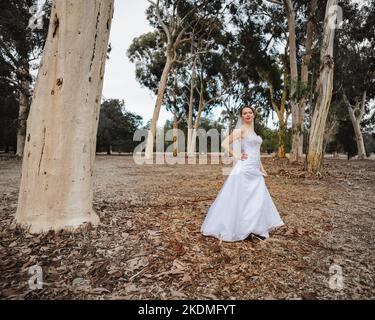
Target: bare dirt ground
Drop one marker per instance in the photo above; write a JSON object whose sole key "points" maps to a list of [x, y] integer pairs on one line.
{"points": [[149, 245]]}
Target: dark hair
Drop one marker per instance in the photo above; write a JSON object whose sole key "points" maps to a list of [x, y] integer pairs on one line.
{"points": [[252, 108]]}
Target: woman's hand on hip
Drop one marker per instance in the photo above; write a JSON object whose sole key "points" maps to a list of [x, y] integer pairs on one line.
{"points": [[244, 156]]}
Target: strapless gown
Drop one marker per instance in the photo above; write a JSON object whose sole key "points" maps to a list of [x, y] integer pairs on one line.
{"points": [[244, 204]]}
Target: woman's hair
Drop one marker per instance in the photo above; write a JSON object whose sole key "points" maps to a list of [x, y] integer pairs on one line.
{"points": [[252, 108]]}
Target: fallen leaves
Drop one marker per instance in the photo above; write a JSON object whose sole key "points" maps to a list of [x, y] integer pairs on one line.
{"points": [[149, 246]]}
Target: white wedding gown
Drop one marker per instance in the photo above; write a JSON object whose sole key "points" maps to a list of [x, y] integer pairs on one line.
{"points": [[243, 205]]}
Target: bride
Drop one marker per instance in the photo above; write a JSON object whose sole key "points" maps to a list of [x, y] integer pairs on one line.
{"points": [[243, 206]]}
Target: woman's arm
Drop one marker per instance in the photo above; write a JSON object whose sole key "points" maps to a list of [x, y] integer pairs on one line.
{"points": [[229, 140], [262, 169]]}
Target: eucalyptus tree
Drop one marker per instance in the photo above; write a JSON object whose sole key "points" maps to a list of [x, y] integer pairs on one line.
{"points": [[22, 34], [172, 17], [57, 169], [263, 72], [355, 67], [323, 91]]}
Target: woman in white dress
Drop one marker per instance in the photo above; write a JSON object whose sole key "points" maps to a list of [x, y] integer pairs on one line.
{"points": [[243, 206]]}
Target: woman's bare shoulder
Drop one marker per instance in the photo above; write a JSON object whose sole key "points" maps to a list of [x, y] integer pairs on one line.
{"points": [[238, 132]]}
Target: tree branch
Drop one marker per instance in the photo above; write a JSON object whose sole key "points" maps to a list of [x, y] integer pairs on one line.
{"points": [[163, 25], [8, 53], [15, 83], [345, 98], [363, 103], [275, 2]]}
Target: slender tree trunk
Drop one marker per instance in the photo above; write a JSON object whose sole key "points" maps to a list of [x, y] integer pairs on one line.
{"points": [[282, 113], [296, 126], [191, 106], [305, 71], [359, 139], [193, 144], [356, 115], [282, 138], [24, 94], [175, 135], [329, 132], [57, 170], [158, 104], [109, 149], [323, 92]]}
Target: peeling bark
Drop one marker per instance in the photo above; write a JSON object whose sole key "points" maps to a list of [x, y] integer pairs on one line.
{"points": [[305, 72], [356, 114], [296, 128], [56, 183], [323, 92], [24, 106]]}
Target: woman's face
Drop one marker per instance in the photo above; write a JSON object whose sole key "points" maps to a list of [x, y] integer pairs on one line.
{"points": [[247, 115]]}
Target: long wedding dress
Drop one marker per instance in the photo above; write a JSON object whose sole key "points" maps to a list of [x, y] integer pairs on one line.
{"points": [[243, 205]]}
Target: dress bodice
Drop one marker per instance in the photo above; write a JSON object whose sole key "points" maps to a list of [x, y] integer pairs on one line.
{"points": [[251, 145]]}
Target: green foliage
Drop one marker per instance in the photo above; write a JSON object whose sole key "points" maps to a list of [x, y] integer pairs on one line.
{"points": [[19, 44], [148, 53], [270, 140], [369, 140], [354, 55], [345, 138], [20, 47], [8, 118], [116, 127]]}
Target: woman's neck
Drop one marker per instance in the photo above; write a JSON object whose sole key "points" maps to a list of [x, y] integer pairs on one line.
{"points": [[248, 127]]}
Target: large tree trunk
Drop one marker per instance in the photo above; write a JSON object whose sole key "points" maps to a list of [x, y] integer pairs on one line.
{"points": [[296, 127], [323, 92], [305, 71], [24, 94], [159, 101], [191, 106], [356, 116], [56, 184]]}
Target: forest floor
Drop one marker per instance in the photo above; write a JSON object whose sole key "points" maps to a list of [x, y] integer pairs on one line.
{"points": [[149, 245]]}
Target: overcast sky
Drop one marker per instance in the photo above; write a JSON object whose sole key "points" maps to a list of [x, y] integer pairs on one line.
{"points": [[129, 21]]}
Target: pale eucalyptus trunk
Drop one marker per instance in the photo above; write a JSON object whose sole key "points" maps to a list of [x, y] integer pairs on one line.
{"points": [[58, 163], [356, 114], [323, 93], [159, 101], [24, 106], [296, 126], [191, 105], [305, 71]]}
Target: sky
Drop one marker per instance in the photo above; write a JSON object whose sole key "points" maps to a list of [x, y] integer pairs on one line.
{"points": [[129, 22]]}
